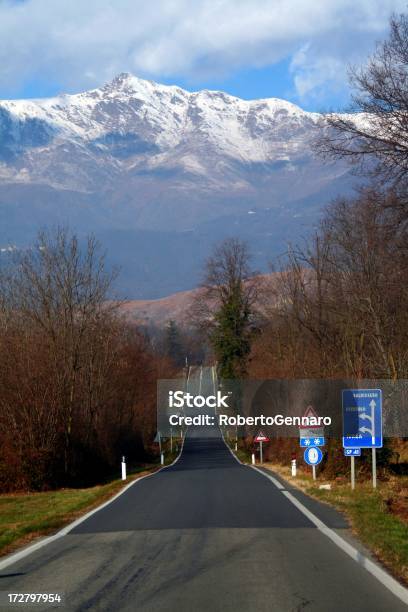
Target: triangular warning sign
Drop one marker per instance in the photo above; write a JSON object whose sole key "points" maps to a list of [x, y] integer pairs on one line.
{"points": [[260, 437], [310, 412]]}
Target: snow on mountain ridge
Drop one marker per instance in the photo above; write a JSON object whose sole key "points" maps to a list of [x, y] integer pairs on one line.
{"points": [[169, 107], [160, 174]]}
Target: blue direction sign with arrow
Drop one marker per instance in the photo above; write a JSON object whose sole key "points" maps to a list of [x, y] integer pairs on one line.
{"points": [[313, 455], [362, 418], [306, 442], [352, 452]]}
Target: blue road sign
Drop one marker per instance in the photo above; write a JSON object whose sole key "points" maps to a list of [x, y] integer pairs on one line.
{"points": [[362, 418], [313, 455], [306, 442], [352, 452]]}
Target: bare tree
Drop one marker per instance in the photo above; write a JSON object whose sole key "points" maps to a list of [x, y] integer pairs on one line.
{"points": [[339, 306], [376, 134], [77, 382]]}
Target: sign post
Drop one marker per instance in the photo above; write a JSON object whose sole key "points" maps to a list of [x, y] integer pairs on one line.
{"points": [[311, 437], [352, 453], [313, 456], [362, 422], [374, 462], [353, 474], [261, 438]]}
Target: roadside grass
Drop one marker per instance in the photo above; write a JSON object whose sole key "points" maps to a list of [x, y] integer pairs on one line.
{"points": [[242, 453], [25, 516], [377, 517]]}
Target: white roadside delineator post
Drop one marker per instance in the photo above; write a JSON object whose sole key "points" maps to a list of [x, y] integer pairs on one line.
{"points": [[123, 468], [293, 467], [162, 458], [253, 458]]}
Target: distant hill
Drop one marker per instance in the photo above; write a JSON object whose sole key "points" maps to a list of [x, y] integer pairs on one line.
{"points": [[158, 312], [177, 307]]}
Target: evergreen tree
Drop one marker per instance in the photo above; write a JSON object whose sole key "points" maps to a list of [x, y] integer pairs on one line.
{"points": [[174, 344], [226, 308]]}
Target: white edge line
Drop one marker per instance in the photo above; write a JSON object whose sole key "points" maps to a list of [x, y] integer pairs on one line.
{"points": [[382, 576], [13, 558], [271, 478], [222, 435], [230, 450]]}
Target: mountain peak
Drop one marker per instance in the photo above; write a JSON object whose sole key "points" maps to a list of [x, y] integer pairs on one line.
{"points": [[177, 169], [127, 82], [123, 80], [122, 77]]}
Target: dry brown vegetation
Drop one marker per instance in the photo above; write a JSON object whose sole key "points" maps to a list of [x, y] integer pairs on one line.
{"points": [[77, 383], [339, 306]]}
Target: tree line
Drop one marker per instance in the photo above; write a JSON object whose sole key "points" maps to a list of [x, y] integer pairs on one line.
{"points": [[337, 305], [77, 383]]}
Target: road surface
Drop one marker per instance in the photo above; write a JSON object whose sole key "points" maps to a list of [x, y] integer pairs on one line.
{"points": [[204, 534]]}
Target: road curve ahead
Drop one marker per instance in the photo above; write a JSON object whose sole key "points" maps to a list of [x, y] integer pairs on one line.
{"points": [[204, 534]]}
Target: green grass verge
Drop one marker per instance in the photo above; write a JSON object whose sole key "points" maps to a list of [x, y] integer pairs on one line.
{"points": [[383, 532], [242, 453], [376, 517], [26, 516]]}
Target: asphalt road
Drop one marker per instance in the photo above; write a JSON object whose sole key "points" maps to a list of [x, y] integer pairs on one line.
{"points": [[204, 534]]}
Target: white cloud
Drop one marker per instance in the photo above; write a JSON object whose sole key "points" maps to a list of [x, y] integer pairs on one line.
{"points": [[82, 43], [313, 73]]}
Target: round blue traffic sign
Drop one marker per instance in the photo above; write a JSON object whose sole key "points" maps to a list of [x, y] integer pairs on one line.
{"points": [[313, 455]]}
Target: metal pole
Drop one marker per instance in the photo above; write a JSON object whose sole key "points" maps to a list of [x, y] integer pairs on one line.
{"points": [[374, 462], [314, 472], [260, 451], [171, 439], [353, 474]]}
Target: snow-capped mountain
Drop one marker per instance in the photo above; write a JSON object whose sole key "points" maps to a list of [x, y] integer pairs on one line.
{"points": [[136, 156]]}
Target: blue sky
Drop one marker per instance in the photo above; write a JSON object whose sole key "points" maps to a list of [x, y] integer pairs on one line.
{"points": [[271, 81], [298, 50]]}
